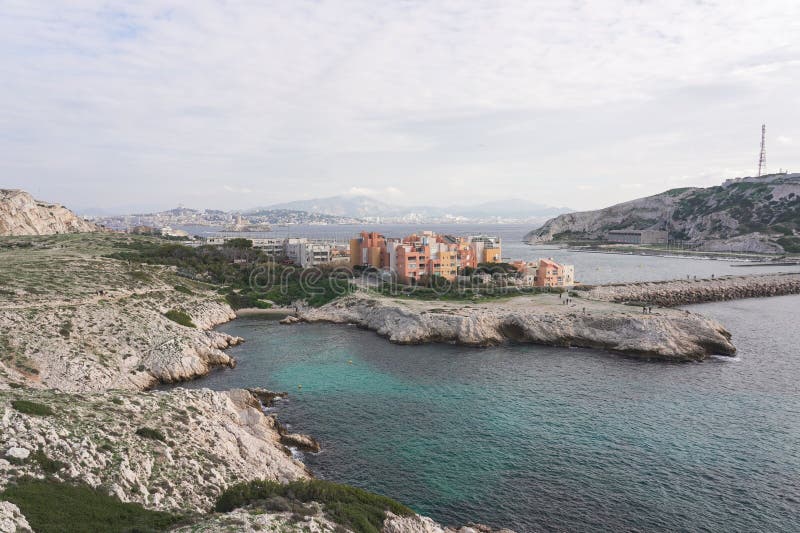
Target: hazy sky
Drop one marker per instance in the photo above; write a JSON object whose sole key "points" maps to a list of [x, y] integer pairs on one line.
{"points": [[236, 104]]}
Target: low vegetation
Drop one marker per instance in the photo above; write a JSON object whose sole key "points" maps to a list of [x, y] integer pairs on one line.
{"points": [[356, 509], [54, 507], [32, 408], [150, 433], [247, 276], [180, 317]]}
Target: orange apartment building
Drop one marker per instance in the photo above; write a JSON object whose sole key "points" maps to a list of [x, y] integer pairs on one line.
{"points": [[427, 254], [546, 273]]}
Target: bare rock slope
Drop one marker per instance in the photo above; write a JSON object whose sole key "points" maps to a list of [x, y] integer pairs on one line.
{"points": [[21, 214], [169, 451], [74, 320]]}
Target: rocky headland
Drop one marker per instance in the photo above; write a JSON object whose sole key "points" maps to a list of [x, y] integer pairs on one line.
{"points": [[753, 215], [21, 214], [667, 334], [74, 320]]}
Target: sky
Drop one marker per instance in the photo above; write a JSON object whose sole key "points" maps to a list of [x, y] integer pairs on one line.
{"points": [[224, 104]]}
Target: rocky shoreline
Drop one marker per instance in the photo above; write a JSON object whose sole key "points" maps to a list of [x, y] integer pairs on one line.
{"points": [[82, 339], [664, 334]]}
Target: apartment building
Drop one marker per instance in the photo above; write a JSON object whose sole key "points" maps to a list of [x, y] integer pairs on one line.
{"points": [[546, 273], [425, 254]]}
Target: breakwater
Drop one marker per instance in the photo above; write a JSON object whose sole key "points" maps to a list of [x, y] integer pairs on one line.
{"points": [[693, 291]]}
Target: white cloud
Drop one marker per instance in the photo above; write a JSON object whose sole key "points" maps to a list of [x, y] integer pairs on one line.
{"points": [[437, 96], [782, 139], [368, 191], [240, 190]]}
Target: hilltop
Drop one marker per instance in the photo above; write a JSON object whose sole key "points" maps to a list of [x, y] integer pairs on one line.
{"points": [[21, 214], [754, 214]]}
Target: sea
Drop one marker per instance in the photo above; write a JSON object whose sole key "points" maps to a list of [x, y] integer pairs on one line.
{"points": [[536, 438]]}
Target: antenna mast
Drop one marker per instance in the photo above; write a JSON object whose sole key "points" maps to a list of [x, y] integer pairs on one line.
{"points": [[762, 158]]}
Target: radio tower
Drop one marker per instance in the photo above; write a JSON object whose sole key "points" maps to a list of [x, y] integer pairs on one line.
{"points": [[762, 158]]}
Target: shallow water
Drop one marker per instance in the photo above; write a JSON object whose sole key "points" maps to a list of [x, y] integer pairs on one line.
{"points": [[535, 438]]}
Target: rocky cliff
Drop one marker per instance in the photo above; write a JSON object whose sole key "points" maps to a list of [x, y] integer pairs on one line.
{"points": [[21, 214], [742, 215], [198, 443], [666, 334]]}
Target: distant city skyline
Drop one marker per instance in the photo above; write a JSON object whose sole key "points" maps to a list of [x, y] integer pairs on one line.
{"points": [[142, 107]]}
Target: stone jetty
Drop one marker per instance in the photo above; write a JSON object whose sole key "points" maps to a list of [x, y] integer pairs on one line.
{"points": [[693, 291]]}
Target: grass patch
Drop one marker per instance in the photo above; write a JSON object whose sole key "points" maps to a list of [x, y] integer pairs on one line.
{"points": [[55, 507], [180, 317], [150, 433], [183, 289], [50, 466], [140, 275], [32, 408], [357, 509]]}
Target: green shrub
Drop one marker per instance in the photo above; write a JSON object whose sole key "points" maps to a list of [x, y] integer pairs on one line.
{"points": [[356, 509], [183, 289], [150, 433], [66, 329], [140, 275], [53, 507], [180, 317], [50, 466], [32, 408]]}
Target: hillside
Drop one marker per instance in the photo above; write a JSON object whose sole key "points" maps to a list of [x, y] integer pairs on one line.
{"points": [[742, 215], [21, 214]]}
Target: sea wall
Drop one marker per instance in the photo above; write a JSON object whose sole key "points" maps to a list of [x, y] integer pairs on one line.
{"points": [[685, 292]]}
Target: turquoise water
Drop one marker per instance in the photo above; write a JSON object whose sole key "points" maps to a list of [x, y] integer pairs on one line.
{"points": [[538, 438]]}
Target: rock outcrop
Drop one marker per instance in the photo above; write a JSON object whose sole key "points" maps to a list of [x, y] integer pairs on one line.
{"points": [[73, 320], [12, 520], [685, 292], [199, 443], [665, 334], [760, 214], [21, 214]]}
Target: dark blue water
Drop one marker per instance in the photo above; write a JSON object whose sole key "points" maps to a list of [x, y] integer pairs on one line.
{"points": [[538, 438]]}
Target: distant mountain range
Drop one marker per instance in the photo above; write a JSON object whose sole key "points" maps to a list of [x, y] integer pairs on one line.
{"points": [[365, 207], [754, 214]]}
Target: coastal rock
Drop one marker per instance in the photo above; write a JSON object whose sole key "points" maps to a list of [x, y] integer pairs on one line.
{"points": [[410, 524], [12, 520], [199, 442], [267, 397], [543, 319], [254, 520], [21, 214], [302, 442]]}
